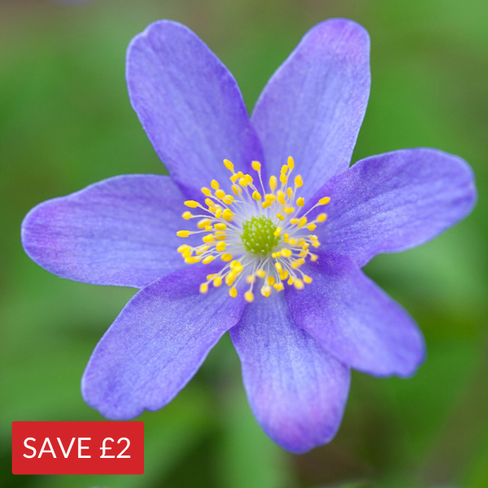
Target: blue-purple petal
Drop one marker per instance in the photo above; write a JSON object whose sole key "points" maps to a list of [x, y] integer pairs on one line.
{"points": [[355, 320], [189, 105], [313, 106], [120, 231], [157, 344], [394, 201], [297, 391]]}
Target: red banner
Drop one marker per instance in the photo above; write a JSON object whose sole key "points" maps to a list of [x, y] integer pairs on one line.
{"points": [[77, 447]]}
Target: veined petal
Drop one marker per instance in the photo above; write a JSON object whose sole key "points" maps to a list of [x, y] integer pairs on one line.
{"points": [[189, 105], [355, 320], [395, 201], [313, 106], [157, 344], [297, 391], [120, 231]]}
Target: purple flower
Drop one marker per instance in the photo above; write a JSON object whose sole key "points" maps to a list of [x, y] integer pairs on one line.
{"points": [[300, 312]]}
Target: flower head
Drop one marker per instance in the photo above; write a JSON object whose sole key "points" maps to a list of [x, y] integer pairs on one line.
{"points": [[264, 209]]}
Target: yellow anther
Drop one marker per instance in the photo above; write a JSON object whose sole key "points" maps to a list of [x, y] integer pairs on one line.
{"points": [[266, 204], [183, 248], [236, 189], [236, 266], [228, 199], [316, 244], [298, 181], [256, 165], [260, 273], [281, 197], [227, 257], [209, 202], [203, 288], [324, 201], [183, 233], [290, 280], [278, 267], [283, 179], [206, 191], [307, 279], [187, 253], [234, 177], [270, 280], [284, 275], [294, 221], [208, 228], [291, 162], [302, 222], [187, 215], [228, 165], [292, 241], [218, 212], [286, 253], [208, 259], [229, 279], [243, 182], [285, 238], [228, 212], [280, 216], [220, 237], [220, 194], [250, 279], [233, 292], [298, 283], [192, 260], [273, 183], [208, 238], [289, 193], [289, 210], [278, 231], [203, 223], [215, 184], [276, 254], [278, 286], [321, 217], [249, 179], [249, 296], [191, 203], [284, 169], [220, 226], [217, 281], [270, 197], [301, 201], [256, 195], [266, 291], [211, 276], [221, 246]]}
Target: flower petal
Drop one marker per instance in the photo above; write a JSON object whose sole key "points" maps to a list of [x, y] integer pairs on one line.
{"points": [[313, 106], [157, 344], [395, 201], [296, 390], [355, 320], [120, 231], [189, 105]]}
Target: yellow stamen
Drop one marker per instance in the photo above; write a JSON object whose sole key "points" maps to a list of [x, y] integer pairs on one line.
{"points": [[249, 296], [191, 204]]}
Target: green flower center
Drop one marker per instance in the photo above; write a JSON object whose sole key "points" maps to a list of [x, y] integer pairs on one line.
{"points": [[258, 235]]}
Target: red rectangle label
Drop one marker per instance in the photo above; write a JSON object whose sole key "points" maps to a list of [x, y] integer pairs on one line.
{"points": [[77, 447]]}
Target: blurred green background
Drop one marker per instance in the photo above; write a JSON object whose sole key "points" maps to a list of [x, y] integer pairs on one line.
{"points": [[66, 122]]}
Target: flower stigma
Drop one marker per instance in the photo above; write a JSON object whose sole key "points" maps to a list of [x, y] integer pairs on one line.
{"points": [[260, 235]]}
